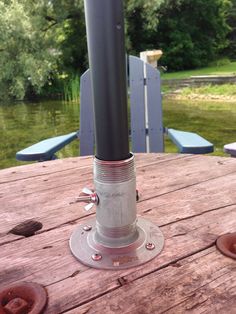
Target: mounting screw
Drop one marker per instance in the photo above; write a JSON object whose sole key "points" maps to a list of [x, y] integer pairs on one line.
{"points": [[96, 257], [87, 228], [150, 246]]}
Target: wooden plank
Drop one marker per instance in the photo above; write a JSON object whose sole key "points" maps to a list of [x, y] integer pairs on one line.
{"points": [[156, 180], [86, 116], [137, 108], [46, 207], [42, 168], [152, 173], [167, 208], [154, 106], [191, 201], [207, 277], [45, 258], [39, 169], [66, 177], [63, 208], [230, 149]]}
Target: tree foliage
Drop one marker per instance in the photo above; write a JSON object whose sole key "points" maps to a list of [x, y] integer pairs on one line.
{"points": [[43, 40], [231, 20], [191, 33], [27, 53]]}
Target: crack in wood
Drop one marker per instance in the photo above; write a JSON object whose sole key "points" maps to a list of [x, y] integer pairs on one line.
{"points": [[185, 187], [91, 299], [122, 281], [197, 292], [75, 273], [176, 260], [43, 174], [197, 215], [171, 264], [177, 157]]}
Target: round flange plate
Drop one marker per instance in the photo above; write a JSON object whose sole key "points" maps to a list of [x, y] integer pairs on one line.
{"points": [[149, 244]]}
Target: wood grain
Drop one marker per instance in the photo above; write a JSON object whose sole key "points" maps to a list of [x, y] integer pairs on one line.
{"points": [[192, 198], [194, 285]]}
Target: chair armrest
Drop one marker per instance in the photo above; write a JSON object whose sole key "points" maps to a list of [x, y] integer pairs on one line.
{"points": [[190, 143], [230, 149], [45, 149]]}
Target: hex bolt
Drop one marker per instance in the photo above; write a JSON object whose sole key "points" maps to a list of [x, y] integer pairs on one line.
{"points": [[150, 246], [96, 257], [23, 297], [87, 228], [16, 306]]}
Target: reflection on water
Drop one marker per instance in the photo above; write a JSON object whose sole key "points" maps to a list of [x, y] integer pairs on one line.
{"points": [[23, 124], [213, 120]]}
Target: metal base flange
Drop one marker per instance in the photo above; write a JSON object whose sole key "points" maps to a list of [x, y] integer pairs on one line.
{"points": [[148, 245]]}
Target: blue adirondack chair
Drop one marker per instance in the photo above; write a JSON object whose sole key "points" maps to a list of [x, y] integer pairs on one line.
{"points": [[147, 130], [230, 149]]}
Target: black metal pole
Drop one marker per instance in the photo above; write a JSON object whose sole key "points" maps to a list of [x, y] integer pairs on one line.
{"points": [[107, 62]]}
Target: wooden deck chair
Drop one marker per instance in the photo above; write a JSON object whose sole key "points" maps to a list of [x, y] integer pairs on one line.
{"points": [[230, 149], [146, 129]]}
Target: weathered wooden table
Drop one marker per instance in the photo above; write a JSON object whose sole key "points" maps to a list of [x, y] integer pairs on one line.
{"points": [[192, 198]]}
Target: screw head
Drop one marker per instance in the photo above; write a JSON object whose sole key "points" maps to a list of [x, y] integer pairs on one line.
{"points": [[96, 257], [87, 228], [150, 246]]}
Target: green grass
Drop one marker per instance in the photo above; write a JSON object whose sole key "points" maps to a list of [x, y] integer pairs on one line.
{"points": [[226, 69], [72, 89], [219, 90]]}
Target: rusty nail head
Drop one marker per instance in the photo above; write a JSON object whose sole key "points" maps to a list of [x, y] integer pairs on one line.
{"points": [[96, 257], [24, 297], [87, 228], [150, 246], [16, 306]]}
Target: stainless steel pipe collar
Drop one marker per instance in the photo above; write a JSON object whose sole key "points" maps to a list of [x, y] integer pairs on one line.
{"points": [[117, 238]]}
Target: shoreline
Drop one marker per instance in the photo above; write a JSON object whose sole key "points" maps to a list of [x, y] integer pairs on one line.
{"points": [[200, 97]]}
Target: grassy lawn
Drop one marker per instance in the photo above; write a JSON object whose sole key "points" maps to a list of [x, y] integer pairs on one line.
{"points": [[224, 89], [227, 69]]}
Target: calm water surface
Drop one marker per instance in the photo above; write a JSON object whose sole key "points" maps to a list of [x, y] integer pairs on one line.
{"points": [[23, 124]]}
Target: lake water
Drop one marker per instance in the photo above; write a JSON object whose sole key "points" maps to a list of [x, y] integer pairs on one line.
{"points": [[23, 124]]}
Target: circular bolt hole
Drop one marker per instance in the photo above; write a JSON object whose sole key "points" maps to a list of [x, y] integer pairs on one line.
{"points": [[150, 246], [87, 228], [96, 257]]}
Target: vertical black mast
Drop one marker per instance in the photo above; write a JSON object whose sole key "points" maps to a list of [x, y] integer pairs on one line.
{"points": [[105, 37]]}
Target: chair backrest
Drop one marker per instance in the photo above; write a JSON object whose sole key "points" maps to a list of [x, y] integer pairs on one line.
{"points": [[146, 127]]}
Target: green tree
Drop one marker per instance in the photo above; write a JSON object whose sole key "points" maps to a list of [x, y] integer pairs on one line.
{"points": [[27, 52], [141, 24], [231, 19], [34, 41], [43, 40], [191, 33]]}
